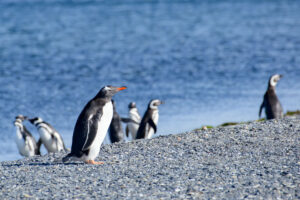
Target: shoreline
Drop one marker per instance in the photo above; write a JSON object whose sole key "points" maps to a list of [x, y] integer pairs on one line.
{"points": [[253, 160], [287, 114]]}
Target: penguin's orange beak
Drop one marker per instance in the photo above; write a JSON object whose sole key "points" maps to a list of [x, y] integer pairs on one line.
{"points": [[121, 88]]}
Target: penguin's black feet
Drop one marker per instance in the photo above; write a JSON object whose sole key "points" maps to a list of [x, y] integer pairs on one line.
{"points": [[93, 162]]}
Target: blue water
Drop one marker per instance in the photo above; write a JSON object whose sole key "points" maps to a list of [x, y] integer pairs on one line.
{"points": [[208, 60]]}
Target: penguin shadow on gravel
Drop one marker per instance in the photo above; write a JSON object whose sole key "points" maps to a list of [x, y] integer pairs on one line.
{"points": [[48, 163]]}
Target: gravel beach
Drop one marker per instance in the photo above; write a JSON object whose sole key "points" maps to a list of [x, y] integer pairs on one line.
{"points": [[259, 160]]}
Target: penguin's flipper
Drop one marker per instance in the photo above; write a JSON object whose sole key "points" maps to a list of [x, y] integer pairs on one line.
{"points": [[38, 148], [125, 120], [91, 133], [152, 124], [261, 107], [128, 120], [127, 131]]}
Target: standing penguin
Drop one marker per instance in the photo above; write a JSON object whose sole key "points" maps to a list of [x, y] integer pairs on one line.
{"points": [[116, 133], [91, 126], [273, 108], [26, 143], [150, 119], [49, 136], [134, 116]]}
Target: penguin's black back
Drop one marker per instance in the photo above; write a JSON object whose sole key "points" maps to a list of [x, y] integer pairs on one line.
{"points": [[82, 139], [116, 133], [273, 108], [142, 132]]}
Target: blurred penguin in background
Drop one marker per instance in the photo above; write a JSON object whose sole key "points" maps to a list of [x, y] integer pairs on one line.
{"points": [[271, 104], [116, 133], [51, 139], [148, 125], [134, 120], [26, 143]]}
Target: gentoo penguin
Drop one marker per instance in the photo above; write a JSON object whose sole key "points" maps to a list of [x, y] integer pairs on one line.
{"points": [[150, 119], [26, 143], [91, 126], [273, 108], [134, 115], [116, 133], [49, 136]]}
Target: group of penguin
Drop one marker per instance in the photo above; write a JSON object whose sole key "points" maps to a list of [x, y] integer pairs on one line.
{"points": [[99, 115], [26, 143], [137, 127]]}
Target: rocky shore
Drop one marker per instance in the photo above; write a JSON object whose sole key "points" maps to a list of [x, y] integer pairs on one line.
{"points": [[259, 160]]}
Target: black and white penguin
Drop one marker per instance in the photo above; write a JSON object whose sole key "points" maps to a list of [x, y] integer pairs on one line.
{"points": [[48, 135], [26, 143], [273, 108], [92, 125], [135, 118], [115, 131], [148, 125]]}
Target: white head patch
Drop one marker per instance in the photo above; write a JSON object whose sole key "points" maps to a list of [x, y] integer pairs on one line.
{"points": [[274, 79], [18, 122], [106, 88], [154, 104]]}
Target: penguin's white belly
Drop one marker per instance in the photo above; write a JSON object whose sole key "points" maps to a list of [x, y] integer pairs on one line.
{"points": [[155, 117], [26, 148], [133, 127], [103, 125], [51, 144]]}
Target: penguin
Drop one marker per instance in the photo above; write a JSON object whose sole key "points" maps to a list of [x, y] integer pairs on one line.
{"points": [[273, 108], [135, 118], [51, 139], [26, 143], [148, 125], [116, 133], [92, 125]]}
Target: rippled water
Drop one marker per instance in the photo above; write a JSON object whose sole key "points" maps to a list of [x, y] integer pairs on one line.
{"points": [[208, 60]]}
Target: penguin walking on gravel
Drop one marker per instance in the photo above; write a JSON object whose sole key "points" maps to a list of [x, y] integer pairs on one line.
{"points": [[135, 119], [51, 139], [115, 131], [148, 125], [92, 125], [26, 143], [273, 108]]}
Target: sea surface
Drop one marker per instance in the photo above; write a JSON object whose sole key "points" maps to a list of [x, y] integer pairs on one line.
{"points": [[209, 60]]}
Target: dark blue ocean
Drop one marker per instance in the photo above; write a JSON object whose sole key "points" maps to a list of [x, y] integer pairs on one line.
{"points": [[208, 60]]}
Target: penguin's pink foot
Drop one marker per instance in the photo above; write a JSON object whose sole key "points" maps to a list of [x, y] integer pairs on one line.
{"points": [[93, 162]]}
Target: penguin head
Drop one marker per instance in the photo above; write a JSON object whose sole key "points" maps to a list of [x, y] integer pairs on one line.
{"points": [[19, 119], [109, 91], [35, 120], [132, 105], [274, 80], [154, 103]]}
